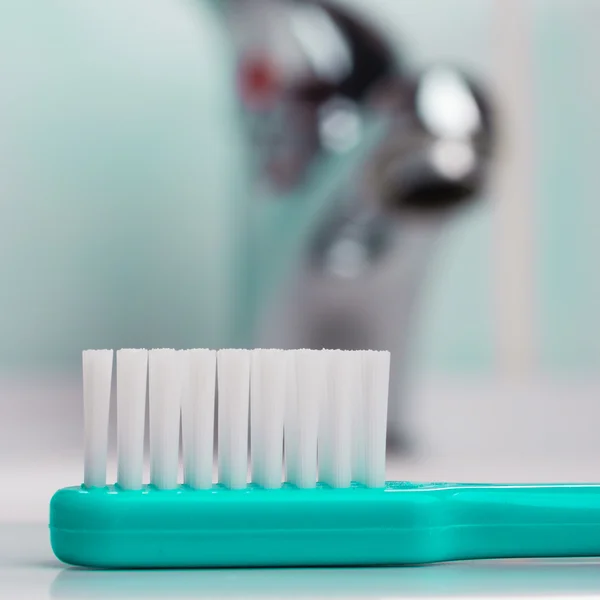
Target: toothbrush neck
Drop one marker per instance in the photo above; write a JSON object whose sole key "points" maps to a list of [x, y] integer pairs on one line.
{"points": [[495, 521]]}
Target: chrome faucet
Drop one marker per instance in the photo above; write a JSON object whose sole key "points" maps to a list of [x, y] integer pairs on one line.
{"points": [[319, 71]]}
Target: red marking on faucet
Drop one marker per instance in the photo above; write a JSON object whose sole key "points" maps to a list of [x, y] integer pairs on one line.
{"points": [[258, 82]]}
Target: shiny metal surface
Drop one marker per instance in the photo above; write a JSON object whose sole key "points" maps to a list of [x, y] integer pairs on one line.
{"points": [[358, 283], [358, 278]]}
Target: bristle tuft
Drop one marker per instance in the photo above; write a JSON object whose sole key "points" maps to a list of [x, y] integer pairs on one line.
{"points": [[165, 410], [198, 416], [376, 369], [306, 391], [132, 376], [268, 384], [97, 375], [233, 377], [336, 418]]}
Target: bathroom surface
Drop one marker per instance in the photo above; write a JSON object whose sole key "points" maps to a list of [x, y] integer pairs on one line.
{"points": [[555, 439], [29, 571]]}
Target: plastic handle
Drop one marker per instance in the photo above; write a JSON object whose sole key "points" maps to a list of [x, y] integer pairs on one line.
{"points": [[501, 521], [402, 523]]}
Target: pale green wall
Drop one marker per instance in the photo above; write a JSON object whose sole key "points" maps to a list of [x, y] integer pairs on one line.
{"points": [[568, 175], [122, 178]]}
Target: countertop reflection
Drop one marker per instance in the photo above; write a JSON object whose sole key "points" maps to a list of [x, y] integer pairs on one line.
{"points": [[29, 570], [471, 579]]}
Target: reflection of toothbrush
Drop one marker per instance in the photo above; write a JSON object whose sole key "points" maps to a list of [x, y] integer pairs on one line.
{"points": [[330, 402]]}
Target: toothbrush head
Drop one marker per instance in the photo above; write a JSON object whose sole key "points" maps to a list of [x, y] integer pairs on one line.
{"points": [[305, 422]]}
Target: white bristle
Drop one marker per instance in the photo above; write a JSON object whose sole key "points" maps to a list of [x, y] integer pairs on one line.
{"points": [[307, 391], [198, 416], [268, 387], [360, 410], [376, 373], [327, 409], [132, 375], [336, 419], [97, 375], [233, 376], [165, 411]]}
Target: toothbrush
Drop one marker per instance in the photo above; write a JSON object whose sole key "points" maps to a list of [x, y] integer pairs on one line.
{"points": [[327, 411]]}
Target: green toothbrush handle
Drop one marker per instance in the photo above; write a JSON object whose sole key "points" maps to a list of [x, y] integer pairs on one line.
{"points": [[403, 523], [512, 521]]}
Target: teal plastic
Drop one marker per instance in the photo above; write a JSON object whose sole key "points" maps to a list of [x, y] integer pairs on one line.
{"points": [[403, 523]]}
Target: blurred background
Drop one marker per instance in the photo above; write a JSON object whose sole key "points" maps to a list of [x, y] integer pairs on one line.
{"points": [[417, 176]]}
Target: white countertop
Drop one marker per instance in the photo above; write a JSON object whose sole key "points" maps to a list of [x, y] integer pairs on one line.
{"points": [[465, 431], [29, 571]]}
